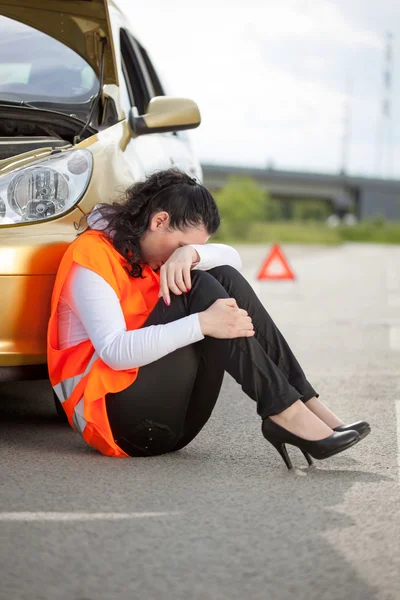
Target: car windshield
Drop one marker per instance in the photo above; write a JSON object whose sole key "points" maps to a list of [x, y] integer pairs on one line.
{"points": [[36, 67]]}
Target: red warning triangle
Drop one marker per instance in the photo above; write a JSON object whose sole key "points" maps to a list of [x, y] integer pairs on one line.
{"points": [[275, 266]]}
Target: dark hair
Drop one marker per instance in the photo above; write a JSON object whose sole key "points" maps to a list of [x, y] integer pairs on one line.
{"points": [[188, 203]]}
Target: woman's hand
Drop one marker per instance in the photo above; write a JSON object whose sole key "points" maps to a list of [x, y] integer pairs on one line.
{"points": [[225, 320], [175, 272]]}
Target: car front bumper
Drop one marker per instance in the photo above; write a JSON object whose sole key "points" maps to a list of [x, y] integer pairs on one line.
{"points": [[29, 259]]}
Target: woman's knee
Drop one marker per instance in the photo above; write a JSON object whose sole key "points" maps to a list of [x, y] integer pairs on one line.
{"points": [[205, 290], [228, 276], [225, 271], [235, 285], [219, 282], [221, 273]]}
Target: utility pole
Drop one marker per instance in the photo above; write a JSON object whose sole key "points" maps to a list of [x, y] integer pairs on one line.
{"points": [[346, 138], [384, 135]]}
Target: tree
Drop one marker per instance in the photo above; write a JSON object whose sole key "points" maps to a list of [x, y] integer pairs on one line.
{"points": [[241, 202]]}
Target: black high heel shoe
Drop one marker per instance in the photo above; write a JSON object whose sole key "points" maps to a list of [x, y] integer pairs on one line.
{"points": [[279, 436], [362, 427]]}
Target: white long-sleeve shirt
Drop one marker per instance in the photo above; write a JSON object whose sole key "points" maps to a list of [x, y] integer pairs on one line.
{"points": [[90, 309]]}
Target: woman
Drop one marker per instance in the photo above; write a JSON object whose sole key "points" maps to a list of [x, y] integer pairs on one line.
{"points": [[146, 318]]}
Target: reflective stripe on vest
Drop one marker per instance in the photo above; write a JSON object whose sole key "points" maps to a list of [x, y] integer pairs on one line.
{"points": [[83, 394], [78, 419], [65, 388]]}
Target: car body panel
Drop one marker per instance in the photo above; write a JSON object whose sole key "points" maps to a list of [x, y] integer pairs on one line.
{"points": [[30, 252], [24, 326], [79, 24], [29, 259]]}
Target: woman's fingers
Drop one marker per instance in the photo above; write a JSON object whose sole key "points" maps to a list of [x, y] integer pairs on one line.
{"points": [[187, 278], [164, 289], [245, 325], [177, 278], [175, 281]]}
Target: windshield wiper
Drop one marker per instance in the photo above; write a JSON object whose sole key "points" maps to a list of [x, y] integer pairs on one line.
{"points": [[96, 99], [24, 104], [18, 103]]}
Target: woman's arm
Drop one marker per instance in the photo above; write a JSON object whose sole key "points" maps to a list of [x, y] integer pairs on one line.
{"points": [[97, 306], [216, 255], [211, 255]]}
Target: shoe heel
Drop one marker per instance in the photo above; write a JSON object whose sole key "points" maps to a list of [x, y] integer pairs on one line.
{"points": [[308, 457], [281, 448]]}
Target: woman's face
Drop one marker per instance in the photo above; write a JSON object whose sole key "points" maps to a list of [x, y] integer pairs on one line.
{"points": [[159, 242]]}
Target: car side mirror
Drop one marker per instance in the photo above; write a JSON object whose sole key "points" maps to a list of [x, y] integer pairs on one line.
{"points": [[165, 113]]}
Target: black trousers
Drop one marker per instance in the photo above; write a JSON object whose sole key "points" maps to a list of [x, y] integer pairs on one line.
{"points": [[173, 397]]}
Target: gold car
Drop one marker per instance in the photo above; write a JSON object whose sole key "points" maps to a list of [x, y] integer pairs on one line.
{"points": [[83, 114]]}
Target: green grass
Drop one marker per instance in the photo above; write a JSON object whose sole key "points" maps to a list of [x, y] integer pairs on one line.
{"points": [[306, 232], [368, 231]]}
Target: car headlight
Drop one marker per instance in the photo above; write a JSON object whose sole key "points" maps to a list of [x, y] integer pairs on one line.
{"points": [[45, 188]]}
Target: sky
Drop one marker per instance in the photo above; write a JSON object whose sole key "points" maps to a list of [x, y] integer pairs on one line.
{"points": [[278, 82]]}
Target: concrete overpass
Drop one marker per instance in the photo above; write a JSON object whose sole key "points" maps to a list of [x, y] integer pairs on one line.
{"points": [[368, 196]]}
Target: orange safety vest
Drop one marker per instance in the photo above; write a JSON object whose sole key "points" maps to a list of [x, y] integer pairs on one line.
{"points": [[79, 377]]}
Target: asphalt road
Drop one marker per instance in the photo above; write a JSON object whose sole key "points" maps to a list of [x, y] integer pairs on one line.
{"points": [[223, 519]]}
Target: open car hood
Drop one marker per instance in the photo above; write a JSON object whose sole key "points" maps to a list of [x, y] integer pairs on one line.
{"points": [[79, 24]]}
